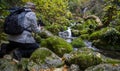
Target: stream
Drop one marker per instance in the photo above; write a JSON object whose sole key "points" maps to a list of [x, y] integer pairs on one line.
{"points": [[68, 37]]}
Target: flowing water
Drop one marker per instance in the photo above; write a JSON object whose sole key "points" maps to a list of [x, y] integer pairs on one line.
{"points": [[89, 45], [67, 35]]}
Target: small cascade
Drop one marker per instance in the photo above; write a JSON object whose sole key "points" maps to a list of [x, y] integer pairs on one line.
{"points": [[89, 45], [67, 35]]}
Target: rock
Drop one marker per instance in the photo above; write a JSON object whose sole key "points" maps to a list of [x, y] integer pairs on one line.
{"points": [[74, 67], [104, 67], [57, 45], [106, 39], [8, 65], [84, 58], [44, 58]]}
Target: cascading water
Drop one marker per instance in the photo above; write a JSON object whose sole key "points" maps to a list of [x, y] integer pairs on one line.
{"points": [[69, 37], [89, 45]]}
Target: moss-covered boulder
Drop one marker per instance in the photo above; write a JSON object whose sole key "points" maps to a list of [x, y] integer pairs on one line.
{"points": [[77, 43], [8, 65], [57, 45], [105, 46], [85, 36], [111, 54], [43, 58], [75, 33], [104, 67], [97, 34], [107, 39], [111, 35], [83, 57]]}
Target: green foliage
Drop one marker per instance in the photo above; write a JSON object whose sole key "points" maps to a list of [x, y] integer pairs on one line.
{"points": [[3, 37], [76, 5], [55, 28], [86, 27], [111, 36], [52, 11], [79, 26], [57, 45], [112, 12], [78, 43], [6, 4]]}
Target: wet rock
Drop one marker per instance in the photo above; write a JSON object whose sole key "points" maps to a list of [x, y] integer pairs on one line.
{"points": [[104, 67], [74, 67], [8, 65], [106, 39], [57, 45], [84, 58], [43, 58]]}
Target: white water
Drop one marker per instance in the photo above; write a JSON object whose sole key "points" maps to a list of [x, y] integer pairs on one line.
{"points": [[67, 35], [68, 39], [89, 45]]}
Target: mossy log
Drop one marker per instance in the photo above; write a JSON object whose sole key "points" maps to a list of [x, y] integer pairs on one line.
{"points": [[97, 19]]}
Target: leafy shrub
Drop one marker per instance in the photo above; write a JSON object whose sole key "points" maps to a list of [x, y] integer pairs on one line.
{"points": [[52, 11]]}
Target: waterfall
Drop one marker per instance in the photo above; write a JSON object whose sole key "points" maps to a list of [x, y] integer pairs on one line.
{"points": [[67, 35], [68, 39]]}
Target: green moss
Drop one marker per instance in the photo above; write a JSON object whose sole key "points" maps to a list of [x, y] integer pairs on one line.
{"points": [[106, 46], [111, 61], [85, 31], [77, 43], [37, 38], [44, 57], [85, 36], [111, 36], [39, 55], [75, 33], [57, 45], [107, 39], [85, 59], [97, 34], [3, 37]]}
